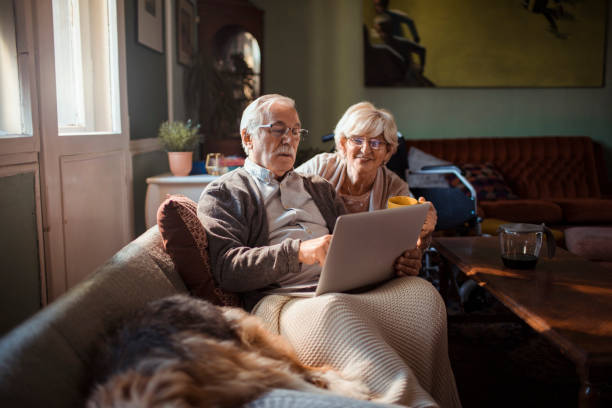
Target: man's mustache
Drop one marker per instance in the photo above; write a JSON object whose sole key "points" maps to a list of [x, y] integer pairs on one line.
{"points": [[285, 149]]}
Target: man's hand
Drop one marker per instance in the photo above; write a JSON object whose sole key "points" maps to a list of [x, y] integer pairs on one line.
{"points": [[408, 263], [314, 250]]}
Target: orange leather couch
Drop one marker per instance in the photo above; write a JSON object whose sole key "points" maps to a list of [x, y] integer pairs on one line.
{"points": [[557, 179]]}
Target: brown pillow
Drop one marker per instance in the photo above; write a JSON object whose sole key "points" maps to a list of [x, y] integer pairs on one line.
{"points": [[185, 241]]}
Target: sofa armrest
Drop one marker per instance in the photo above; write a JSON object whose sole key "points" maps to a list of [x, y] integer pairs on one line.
{"points": [[47, 360]]}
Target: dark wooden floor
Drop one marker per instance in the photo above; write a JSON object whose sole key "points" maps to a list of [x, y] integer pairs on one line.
{"points": [[499, 361]]}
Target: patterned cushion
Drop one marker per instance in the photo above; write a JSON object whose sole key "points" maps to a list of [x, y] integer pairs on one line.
{"points": [[487, 180], [185, 241]]}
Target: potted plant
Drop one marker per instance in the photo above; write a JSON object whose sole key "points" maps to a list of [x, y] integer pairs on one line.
{"points": [[217, 93], [179, 139]]}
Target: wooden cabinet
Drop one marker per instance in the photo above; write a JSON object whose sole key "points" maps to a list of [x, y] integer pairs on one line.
{"points": [[220, 16], [230, 33]]}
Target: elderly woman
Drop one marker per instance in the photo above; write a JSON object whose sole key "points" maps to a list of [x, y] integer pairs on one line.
{"points": [[366, 138]]}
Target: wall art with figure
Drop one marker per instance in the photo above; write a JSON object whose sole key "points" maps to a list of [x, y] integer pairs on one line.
{"points": [[484, 43]]}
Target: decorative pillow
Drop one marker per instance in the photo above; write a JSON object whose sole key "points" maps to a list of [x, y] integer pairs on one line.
{"points": [[487, 180], [185, 241], [417, 159]]}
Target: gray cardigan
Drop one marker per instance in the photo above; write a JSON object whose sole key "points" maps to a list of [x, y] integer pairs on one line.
{"points": [[233, 214]]}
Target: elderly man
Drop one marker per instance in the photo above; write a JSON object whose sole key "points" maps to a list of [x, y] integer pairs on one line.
{"points": [[269, 227]]}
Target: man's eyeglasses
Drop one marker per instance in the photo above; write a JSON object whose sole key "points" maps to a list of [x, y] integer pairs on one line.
{"points": [[280, 130], [375, 144]]}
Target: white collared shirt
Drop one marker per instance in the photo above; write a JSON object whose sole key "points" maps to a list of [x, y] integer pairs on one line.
{"points": [[291, 213]]}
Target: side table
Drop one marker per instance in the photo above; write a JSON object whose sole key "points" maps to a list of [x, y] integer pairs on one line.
{"points": [[159, 186]]}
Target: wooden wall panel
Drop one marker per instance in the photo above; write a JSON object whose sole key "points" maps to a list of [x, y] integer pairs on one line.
{"points": [[94, 208]]}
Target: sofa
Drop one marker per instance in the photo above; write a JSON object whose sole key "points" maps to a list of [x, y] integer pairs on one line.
{"points": [[557, 180], [47, 360]]}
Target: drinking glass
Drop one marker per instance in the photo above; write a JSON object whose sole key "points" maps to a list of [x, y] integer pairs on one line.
{"points": [[213, 164], [520, 244]]}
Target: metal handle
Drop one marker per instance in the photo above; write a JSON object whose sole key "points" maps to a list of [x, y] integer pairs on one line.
{"points": [[550, 241]]}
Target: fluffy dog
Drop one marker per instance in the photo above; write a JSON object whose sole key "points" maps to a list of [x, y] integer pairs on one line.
{"points": [[185, 352]]}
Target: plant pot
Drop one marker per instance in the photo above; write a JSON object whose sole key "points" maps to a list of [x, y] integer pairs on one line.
{"points": [[180, 163]]}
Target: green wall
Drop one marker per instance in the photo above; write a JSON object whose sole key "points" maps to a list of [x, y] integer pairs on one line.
{"points": [[145, 165], [19, 268], [500, 43], [313, 52], [146, 81], [148, 108]]}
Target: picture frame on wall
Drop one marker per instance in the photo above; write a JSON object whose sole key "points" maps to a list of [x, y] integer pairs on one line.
{"points": [[150, 24], [185, 35], [484, 43]]}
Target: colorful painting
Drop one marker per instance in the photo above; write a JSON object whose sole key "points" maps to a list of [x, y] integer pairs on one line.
{"points": [[484, 43]]}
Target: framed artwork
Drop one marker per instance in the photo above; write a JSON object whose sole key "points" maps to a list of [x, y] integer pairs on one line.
{"points": [[150, 24], [185, 15], [484, 43]]}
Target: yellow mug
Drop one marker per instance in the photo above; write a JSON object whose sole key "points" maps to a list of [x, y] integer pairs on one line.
{"points": [[400, 201]]}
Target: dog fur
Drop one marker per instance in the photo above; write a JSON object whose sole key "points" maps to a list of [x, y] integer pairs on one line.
{"points": [[185, 352]]}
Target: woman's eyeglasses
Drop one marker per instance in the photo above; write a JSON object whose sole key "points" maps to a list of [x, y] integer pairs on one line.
{"points": [[375, 144], [280, 130]]}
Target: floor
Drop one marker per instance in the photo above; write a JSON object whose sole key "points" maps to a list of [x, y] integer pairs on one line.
{"points": [[499, 361]]}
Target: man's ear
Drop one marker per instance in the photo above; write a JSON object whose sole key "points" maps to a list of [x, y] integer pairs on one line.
{"points": [[246, 138]]}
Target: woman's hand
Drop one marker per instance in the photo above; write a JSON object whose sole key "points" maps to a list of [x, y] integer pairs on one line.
{"points": [[408, 263], [314, 250], [429, 226]]}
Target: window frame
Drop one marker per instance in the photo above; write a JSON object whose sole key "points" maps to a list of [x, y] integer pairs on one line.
{"points": [[29, 140], [93, 94]]}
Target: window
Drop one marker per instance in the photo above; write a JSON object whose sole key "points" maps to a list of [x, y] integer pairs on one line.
{"points": [[86, 66], [15, 113]]}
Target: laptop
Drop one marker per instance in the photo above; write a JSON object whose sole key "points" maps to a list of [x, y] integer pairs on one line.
{"points": [[363, 248]]}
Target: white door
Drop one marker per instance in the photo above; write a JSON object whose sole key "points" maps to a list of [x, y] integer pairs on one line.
{"points": [[85, 162]]}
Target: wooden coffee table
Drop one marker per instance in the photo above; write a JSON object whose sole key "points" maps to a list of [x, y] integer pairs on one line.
{"points": [[567, 299]]}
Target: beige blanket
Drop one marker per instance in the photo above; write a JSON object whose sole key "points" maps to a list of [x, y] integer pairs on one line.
{"points": [[395, 334]]}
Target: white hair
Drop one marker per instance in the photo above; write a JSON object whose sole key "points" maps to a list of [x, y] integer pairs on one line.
{"points": [[364, 118], [258, 112]]}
